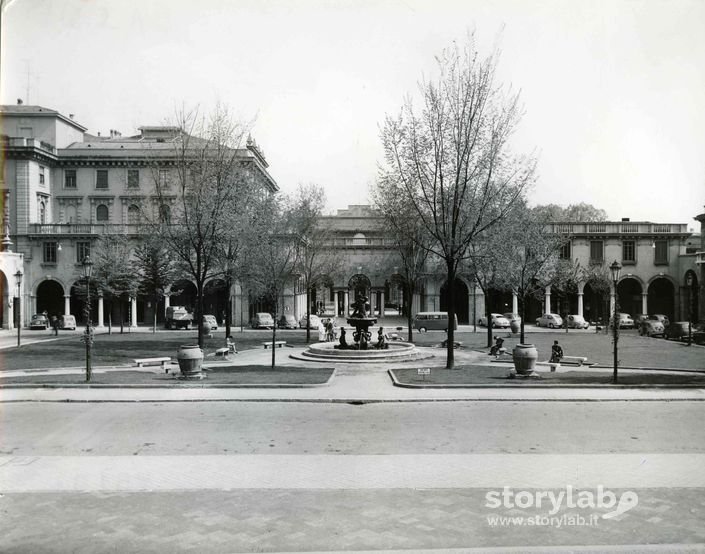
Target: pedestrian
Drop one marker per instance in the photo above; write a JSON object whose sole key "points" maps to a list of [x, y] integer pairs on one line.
{"points": [[330, 337], [55, 325], [321, 331], [556, 352]]}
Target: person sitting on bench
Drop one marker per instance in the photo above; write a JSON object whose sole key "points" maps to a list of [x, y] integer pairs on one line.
{"points": [[556, 353], [230, 343]]}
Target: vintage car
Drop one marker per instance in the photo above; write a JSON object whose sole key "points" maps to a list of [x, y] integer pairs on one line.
{"points": [[651, 328], [211, 321], [625, 321], [67, 321], [677, 330], [262, 320], [287, 321], [39, 321], [577, 322], [312, 323], [552, 321], [497, 321]]}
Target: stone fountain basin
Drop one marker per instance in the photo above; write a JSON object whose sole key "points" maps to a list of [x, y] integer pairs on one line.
{"points": [[325, 351]]}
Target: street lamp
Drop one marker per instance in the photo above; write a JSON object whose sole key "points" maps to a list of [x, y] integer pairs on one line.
{"points": [[18, 307], [615, 270], [689, 283], [88, 334]]}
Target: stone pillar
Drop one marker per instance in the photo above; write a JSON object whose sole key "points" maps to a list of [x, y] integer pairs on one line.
{"points": [[644, 303], [580, 304], [10, 313], [167, 302], [133, 312], [67, 305], [101, 313], [548, 300], [515, 303], [346, 307], [381, 304]]}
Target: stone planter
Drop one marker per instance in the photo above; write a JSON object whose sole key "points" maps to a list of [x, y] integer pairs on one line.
{"points": [[525, 356], [190, 359], [514, 326]]}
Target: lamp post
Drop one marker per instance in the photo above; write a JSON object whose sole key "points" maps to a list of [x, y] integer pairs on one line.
{"points": [[615, 269], [18, 307], [689, 283], [88, 334]]}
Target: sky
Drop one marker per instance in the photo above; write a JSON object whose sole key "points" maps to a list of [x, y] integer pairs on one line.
{"points": [[613, 91]]}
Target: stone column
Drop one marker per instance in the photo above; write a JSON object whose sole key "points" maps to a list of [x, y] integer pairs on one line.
{"points": [[67, 305], [515, 303], [346, 307], [381, 306], [644, 302], [133, 312], [101, 313], [580, 304], [10, 321], [548, 299]]}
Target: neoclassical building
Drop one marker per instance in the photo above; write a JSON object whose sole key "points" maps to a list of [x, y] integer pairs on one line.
{"points": [[63, 188]]}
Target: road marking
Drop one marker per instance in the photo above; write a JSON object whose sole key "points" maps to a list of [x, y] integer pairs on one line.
{"points": [[427, 471]]}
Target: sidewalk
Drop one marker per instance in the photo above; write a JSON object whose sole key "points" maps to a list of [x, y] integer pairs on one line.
{"points": [[353, 383]]}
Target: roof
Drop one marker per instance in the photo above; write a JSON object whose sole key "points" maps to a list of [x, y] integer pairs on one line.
{"points": [[37, 111]]}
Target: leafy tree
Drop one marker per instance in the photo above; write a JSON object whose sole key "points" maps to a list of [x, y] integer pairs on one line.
{"points": [[155, 270], [450, 160], [574, 212], [113, 273]]}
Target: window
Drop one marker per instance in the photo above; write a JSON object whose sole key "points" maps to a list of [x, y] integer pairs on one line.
{"points": [[164, 213], [596, 251], [133, 178], [565, 251], [661, 252], [101, 213], [41, 174], [628, 252], [133, 215], [49, 254], [163, 176], [26, 132], [83, 249], [101, 179], [70, 179]]}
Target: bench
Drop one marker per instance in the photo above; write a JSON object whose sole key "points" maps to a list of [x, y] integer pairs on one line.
{"points": [[222, 352], [278, 343], [577, 360], [165, 362]]}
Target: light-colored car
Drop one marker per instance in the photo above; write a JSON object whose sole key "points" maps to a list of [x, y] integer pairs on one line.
{"points": [[651, 328], [660, 317], [211, 321], [287, 321], [262, 320], [497, 321], [67, 322], [577, 322], [312, 324], [625, 321], [552, 321], [39, 321]]}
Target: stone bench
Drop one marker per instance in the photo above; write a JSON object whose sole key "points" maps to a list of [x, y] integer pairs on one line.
{"points": [[278, 343], [222, 352], [577, 360], [165, 362]]}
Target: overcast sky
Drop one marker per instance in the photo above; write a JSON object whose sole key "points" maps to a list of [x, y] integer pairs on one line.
{"points": [[614, 91]]}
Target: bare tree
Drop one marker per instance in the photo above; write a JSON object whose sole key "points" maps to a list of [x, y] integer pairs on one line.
{"points": [[409, 236], [197, 197], [450, 160], [155, 270]]}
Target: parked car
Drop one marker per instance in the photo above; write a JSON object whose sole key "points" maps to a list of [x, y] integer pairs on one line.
{"points": [[638, 318], [512, 317], [212, 321], [313, 322], [39, 321], [67, 322], [677, 330], [262, 320], [433, 321], [651, 328], [496, 321], [287, 321], [699, 333], [625, 321], [552, 321], [660, 317], [577, 322]]}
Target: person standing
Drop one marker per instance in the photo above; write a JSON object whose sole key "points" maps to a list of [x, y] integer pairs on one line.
{"points": [[55, 325]]}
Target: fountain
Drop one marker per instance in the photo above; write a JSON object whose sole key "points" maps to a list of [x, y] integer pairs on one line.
{"points": [[362, 349]]}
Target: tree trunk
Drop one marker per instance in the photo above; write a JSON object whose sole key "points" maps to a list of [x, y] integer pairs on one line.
{"points": [[308, 314], [522, 316], [450, 351], [409, 317], [155, 300], [122, 316]]}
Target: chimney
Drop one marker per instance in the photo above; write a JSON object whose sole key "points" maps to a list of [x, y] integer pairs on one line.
{"points": [[625, 219], [71, 116], [19, 101]]}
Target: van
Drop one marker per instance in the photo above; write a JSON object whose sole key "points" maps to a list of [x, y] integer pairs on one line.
{"points": [[433, 321], [67, 322]]}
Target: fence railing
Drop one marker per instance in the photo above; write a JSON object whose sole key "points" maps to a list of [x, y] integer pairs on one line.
{"points": [[85, 229], [618, 228]]}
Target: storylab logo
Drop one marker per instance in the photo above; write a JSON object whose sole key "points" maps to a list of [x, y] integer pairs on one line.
{"points": [[552, 502]]}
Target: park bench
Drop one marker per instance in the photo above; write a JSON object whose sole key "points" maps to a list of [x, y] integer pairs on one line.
{"points": [[165, 362], [222, 352], [576, 360], [278, 343]]}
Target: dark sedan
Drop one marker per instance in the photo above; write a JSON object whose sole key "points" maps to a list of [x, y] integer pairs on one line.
{"points": [[676, 330]]}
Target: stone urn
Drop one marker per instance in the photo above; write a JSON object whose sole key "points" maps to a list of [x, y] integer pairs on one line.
{"points": [[190, 359], [525, 356], [206, 328], [514, 326]]}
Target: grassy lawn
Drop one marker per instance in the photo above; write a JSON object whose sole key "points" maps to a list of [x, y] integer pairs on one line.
{"points": [[495, 375], [117, 349], [230, 375]]}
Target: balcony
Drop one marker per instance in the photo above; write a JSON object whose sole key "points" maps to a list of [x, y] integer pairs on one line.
{"points": [[82, 229], [620, 228]]}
